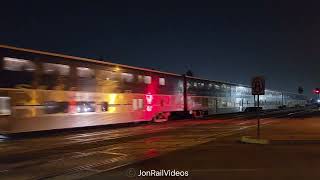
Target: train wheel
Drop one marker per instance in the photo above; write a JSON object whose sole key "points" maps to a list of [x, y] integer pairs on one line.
{"points": [[198, 114], [161, 117]]}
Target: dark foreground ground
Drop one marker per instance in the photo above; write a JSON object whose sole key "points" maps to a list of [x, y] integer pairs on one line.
{"points": [[293, 154], [207, 149]]}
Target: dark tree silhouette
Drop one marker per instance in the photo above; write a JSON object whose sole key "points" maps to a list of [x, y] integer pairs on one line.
{"points": [[300, 90], [101, 58], [189, 73]]}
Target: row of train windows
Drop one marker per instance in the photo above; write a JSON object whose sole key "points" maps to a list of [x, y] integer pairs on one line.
{"points": [[14, 64], [53, 107], [204, 86], [247, 103]]}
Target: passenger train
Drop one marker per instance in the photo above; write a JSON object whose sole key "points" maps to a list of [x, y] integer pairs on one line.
{"points": [[46, 91]]}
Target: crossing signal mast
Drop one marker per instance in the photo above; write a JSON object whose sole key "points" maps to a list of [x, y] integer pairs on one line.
{"points": [[258, 88], [317, 91]]}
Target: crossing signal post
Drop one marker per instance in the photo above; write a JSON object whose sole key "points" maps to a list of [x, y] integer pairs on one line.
{"points": [[258, 88], [317, 91]]}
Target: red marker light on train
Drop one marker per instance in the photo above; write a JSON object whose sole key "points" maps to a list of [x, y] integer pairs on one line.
{"points": [[149, 98]]}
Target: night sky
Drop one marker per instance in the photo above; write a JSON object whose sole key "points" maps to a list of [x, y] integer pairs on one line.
{"points": [[227, 41]]}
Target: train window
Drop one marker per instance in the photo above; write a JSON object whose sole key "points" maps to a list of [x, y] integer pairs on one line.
{"points": [[162, 81], [83, 107], [102, 75], [57, 69], [54, 77], [224, 103], [140, 78], [140, 103], [13, 64], [17, 73], [5, 106], [104, 106], [188, 85], [87, 80], [84, 72], [135, 104], [126, 77], [52, 107], [104, 81], [205, 102], [147, 79]]}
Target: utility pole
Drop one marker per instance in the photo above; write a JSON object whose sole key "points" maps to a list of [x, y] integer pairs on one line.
{"points": [[185, 100], [258, 132], [317, 91]]}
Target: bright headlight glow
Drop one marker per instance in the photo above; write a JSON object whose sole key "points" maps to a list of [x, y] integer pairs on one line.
{"points": [[318, 101]]}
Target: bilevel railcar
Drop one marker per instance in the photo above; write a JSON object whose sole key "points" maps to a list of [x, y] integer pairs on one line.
{"points": [[45, 91], [214, 97]]}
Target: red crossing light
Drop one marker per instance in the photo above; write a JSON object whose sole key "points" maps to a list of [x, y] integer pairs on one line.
{"points": [[316, 91]]}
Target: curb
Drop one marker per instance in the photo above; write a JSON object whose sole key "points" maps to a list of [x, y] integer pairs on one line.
{"points": [[251, 140], [296, 141]]}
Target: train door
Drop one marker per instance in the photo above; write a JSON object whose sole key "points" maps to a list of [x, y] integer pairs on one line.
{"points": [[212, 105]]}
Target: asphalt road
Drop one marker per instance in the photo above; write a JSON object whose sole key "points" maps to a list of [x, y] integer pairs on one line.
{"points": [[102, 153]]}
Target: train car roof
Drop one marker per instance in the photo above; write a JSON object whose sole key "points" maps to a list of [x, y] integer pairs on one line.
{"points": [[242, 85], [108, 63], [84, 59], [223, 82]]}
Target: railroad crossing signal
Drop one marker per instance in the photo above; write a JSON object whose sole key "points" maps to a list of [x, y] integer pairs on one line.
{"points": [[258, 86], [317, 91]]}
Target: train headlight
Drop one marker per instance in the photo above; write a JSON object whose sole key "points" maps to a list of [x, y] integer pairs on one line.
{"points": [[318, 101]]}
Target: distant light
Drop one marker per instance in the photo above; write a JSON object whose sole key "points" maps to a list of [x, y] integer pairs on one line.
{"points": [[318, 101]]}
